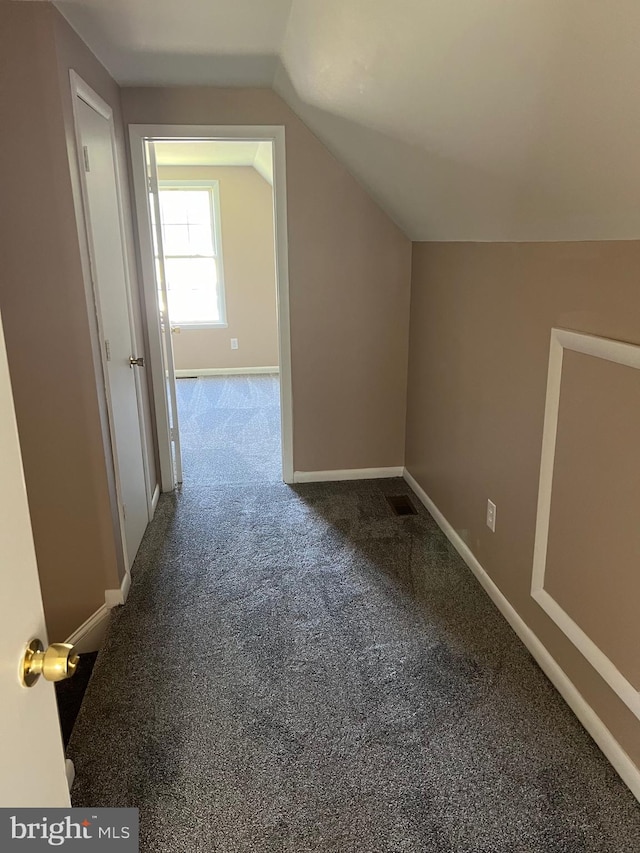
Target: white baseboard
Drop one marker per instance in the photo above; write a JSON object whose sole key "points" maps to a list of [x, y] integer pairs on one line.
{"points": [[115, 597], [223, 371], [621, 762], [155, 498], [90, 635], [125, 586], [70, 772], [346, 474]]}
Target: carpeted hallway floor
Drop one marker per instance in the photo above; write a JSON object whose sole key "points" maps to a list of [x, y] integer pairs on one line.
{"points": [[298, 669], [230, 429]]}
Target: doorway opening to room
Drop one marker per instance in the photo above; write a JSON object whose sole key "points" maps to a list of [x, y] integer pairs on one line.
{"points": [[211, 208]]}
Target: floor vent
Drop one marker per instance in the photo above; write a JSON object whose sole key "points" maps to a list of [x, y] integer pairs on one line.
{"points": [[401, 505]]}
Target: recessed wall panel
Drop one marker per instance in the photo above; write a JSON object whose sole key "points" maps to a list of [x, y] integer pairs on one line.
{"points": [[592, 568]]}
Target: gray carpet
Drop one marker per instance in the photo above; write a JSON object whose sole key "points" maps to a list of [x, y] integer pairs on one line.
{"points": [[230, 428], [297, 669]]}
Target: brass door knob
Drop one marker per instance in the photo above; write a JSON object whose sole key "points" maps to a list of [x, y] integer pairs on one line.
{"points": [[58, 662], [136, 362]]}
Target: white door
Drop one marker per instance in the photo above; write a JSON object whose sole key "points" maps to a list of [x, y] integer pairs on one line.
{"points": [[108, 260], [166, 340], [32, 770]]}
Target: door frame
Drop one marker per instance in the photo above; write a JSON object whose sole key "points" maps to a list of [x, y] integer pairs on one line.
{"points": [[81, 90], [138, 135]]}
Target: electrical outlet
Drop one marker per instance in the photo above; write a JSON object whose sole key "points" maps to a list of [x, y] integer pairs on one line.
{"points": [[491, 516], [234, 343]]}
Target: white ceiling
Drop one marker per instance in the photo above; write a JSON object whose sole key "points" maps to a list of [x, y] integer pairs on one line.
{"points": [[466, 120], [164, 42], [217, 153]]}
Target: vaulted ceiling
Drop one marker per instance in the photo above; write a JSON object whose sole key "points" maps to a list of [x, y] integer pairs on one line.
{"points": [[465, 119], [218, 153]]}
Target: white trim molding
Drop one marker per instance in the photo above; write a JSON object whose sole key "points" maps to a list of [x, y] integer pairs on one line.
{"points": [[90, 635], [154, 500], [616, 755], [347, 474], [275, 134], [619, 353], [116, 597], [185, 373]]}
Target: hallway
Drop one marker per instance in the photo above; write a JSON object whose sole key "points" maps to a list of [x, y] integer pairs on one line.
{"points": [[298, 669]]}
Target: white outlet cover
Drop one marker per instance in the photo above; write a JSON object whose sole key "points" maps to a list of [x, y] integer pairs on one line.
{"points": [[491, 516]]}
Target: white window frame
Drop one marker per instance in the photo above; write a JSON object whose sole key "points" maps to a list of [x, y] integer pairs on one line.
{"points": [[214, 197]]}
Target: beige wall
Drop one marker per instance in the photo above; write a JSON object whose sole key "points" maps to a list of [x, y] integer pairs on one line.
{"points": [[481, 315], [248, 253], [349, 285], [46, 317]]}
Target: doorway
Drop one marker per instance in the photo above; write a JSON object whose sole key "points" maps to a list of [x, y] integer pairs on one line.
{"points": [[217, 221], [211, 209]]}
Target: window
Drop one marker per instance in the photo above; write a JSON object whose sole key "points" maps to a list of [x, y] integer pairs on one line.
{"points": [[190, 216]]}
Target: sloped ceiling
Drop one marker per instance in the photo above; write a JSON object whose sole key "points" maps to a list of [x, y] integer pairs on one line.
{"points": [[167, 43], [218, 153], [466, 120]]}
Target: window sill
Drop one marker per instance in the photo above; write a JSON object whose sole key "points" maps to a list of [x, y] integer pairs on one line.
{"points": [[188, 326]]}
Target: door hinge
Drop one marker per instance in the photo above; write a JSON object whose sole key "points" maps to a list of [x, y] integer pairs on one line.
{"points": [[85, 156], [107, 350], [172, 433]]}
